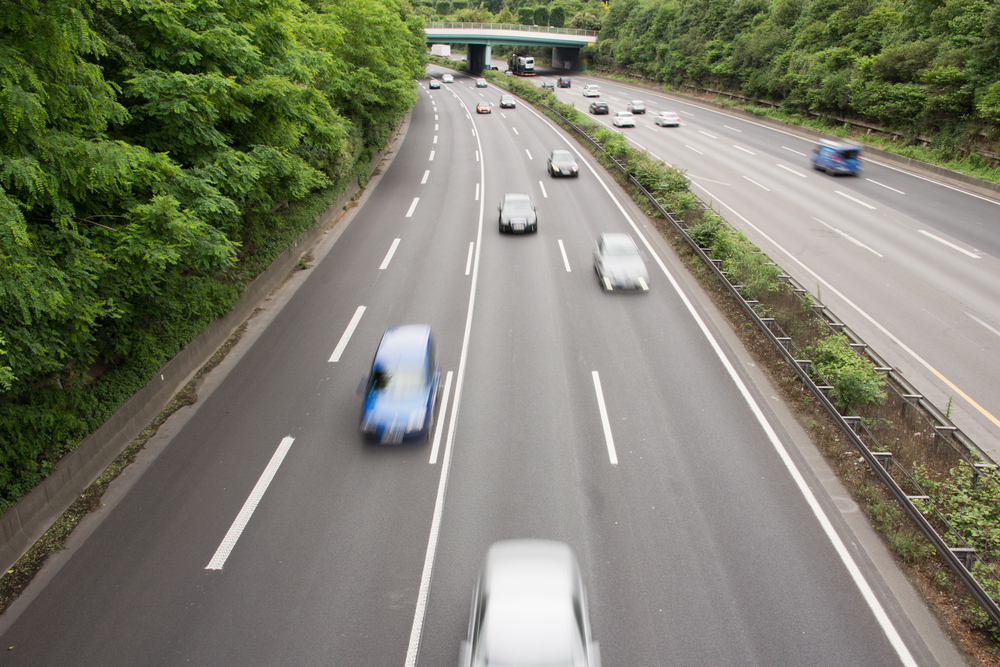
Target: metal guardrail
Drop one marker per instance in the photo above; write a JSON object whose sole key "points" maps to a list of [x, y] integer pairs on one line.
{"points": [[959, 558], [511, 26]]}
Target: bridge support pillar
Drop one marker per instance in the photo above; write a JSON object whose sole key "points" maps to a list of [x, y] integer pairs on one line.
{"points": [[477, 58], [565, 58]]}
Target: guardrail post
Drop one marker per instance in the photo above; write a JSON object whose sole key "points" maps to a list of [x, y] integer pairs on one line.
{"points": [[853, 421], [883, 458]]}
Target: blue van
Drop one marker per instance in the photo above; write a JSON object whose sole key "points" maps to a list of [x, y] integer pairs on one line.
{"points": [[401, 389], [837, 157]]}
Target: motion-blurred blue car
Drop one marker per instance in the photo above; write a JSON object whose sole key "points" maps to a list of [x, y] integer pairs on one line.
{"points": [[401, 389], [837, 157]]}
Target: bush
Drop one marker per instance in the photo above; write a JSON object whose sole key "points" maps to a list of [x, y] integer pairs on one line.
{"points": [[853, 378]]}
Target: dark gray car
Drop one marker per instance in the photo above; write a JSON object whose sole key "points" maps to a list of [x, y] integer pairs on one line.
{"points": [[563, 163], [529, 608], [517, 214], [619, 264]]}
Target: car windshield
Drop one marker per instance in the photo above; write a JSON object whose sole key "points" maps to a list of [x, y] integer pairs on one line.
{"points": [[517, 204], [620, 248], [562, 156], [401, 381]]}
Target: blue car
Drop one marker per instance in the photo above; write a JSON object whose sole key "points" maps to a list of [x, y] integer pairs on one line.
{"points": [[401, 389], [836, 157]]}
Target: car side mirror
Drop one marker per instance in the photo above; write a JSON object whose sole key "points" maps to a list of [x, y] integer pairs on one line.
{"points": [[361, 385]]}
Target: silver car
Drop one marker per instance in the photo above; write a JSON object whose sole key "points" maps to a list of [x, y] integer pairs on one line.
{"points": [[529, 609], [517, 214], [668, 119], [619, 264], [623, 119]]}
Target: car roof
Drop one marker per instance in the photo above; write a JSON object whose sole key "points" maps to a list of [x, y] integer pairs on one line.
{"points": [[516, 196], [636, 101], [617, 240], [539, 569], [623, 113], [403, 344], [561, 152]]}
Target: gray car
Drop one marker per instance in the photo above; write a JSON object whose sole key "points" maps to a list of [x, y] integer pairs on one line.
{"points": [[619, 264], [517, 214], [562, 163], [529, 608], [507, 102]]}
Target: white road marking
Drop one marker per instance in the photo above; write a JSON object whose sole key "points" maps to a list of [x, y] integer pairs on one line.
{"points": [[604, 420], [502, 114], [468, 261], [240, 522], [435, 115], [694, 149], [424, 179], [792, 171], [983, 323], [477, 156], [885, 186], [440, 419], [794, 151], [848, 237], [856, 201], [756, 183], [412, 207], [432, 157], [544, 193], [712, 136], [515, 130], [949, 244], [388, 255], [435, 138], [529, 154], [740, 148], [733, 129], [348, 332], [435, 127], [477, 191], [562, 249]]}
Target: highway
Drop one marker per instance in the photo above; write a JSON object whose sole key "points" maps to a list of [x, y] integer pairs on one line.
{"points": [[260, 529], [908, 262]]}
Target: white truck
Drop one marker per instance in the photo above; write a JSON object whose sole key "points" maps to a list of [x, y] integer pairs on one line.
{"points": [[443, 50]]}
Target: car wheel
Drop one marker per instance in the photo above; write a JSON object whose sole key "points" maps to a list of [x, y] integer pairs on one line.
{"points": [[501, 228]]}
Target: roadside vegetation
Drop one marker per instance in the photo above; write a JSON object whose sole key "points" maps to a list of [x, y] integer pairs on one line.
{"points": [[888, 421], [155, 156]]}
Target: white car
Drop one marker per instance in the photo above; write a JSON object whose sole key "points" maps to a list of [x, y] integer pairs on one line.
{"points": [[636, 106], [668, 119], [592, 91], [448, 78], [623, 119]]}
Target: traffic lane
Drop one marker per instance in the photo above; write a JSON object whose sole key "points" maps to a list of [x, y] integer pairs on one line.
{"points": [[242, 444]]}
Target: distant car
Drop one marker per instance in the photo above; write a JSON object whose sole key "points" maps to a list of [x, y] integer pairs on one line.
{"points": [[591, 91], [837, 157], [564, 82], [507, 102], [401, 389], [636, 106], [434, 84], [598, 108], [481, 83], [619, 265], [563, 163], [548, 86], [667, 119], [623, 119], [529, 607], [495, 69], [448, 78], [517, 214], [509, 72], [484, 107]]}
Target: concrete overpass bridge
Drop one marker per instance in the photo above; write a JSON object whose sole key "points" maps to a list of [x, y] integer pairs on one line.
{"points": [[481, 37]]}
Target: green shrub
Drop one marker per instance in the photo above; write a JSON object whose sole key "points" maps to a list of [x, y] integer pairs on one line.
{"points": [[853, 378]]}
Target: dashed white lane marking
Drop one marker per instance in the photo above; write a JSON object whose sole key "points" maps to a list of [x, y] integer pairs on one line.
{"points": [[949, 244], [477, 191], [542, 186], [236, 529], [792, 171], [515, 130], [413, 207], [388, 255], [711, 136], [348, 332], [562, 249], [432, 157], [435, 138], [733, 129], [740, 148], [757, 184], [694, 149], [468, 260], [886, 186], [424, 179], [848, 237], [529, 154], [794, 151], [856, 201], [604, 420]]}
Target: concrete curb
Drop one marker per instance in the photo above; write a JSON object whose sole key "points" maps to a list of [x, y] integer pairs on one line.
{"points": [[28, 519]]}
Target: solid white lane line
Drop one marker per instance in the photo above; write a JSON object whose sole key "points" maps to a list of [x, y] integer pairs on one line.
{"points": [[604, 420], [756, 183], [439, 425], [562, 249], [794, 151], [949, 244], [792, 171], [432, 157], [424, 179], [515, 129], [348, 332], [885, 186], [468, 260], [477, 191], [707, 134], [542, 186], [236, 529], [856, 201], [529, 154], [740, 148], [420, 609], [413, 206], [847, 236], [388, 255], [694, 149]]}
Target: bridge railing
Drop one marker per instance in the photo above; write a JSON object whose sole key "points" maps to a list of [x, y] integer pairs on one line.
{"points": [[510, 26]]}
